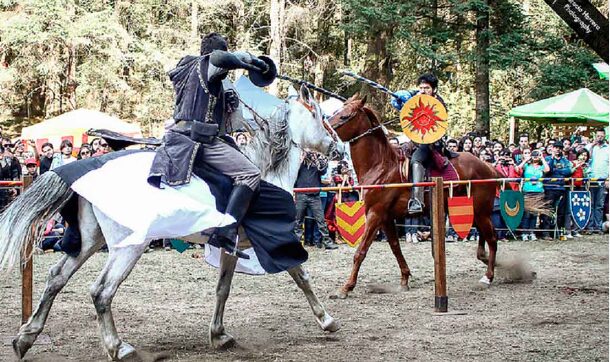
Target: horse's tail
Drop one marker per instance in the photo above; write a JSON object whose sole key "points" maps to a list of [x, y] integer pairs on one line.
{"points": [[23, 222]]}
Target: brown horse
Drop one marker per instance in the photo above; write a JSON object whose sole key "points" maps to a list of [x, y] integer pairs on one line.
{"points": [[376, 162]]}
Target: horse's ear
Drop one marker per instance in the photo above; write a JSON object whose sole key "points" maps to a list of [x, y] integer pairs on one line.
{"points": [[292, 92], [305, 95], [363, 100]]}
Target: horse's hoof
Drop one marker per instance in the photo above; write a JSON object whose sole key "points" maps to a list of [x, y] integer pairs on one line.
{"points": [[341, 294], [19, 352], [330, 325], [485, 281], [222, 341], [22, 344], [125, 350]]}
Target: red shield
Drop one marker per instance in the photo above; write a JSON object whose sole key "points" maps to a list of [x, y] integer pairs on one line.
{"points": [[461, 214], [351, 221]]}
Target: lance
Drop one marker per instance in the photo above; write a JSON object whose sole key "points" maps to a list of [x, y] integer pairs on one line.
{"points": [[312, 86], [370, 82]]}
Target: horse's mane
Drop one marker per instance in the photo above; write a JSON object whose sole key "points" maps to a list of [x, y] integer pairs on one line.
{"points": [[375, 120], [373, 116], [269, 149]]}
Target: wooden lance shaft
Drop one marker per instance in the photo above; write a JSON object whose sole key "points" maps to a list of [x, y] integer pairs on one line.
{"points": [[370, 82], [27, 270], [312, 86], [441, 300]]}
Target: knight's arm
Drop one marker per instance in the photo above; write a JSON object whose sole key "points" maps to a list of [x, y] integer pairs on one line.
{"points": [[237, 60]]}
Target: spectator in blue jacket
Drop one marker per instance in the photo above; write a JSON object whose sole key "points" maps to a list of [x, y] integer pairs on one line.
{"points": [[600, 154], [310, 175], [554, 191]]}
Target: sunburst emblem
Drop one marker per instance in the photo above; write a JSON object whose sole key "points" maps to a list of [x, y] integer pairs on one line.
{"points": [[424, 119]]}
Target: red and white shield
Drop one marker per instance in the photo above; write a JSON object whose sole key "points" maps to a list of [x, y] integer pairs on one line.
{"points": [[461, 214]]}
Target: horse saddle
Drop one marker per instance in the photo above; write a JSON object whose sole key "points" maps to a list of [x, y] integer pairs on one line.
{"points": [[440, 165], [118, 141]]}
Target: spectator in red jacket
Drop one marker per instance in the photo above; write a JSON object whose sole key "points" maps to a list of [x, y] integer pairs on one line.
{"points": [[506, 166]]}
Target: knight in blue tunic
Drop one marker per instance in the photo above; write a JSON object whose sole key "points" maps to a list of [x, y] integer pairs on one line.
{"points": [[424, 155]]}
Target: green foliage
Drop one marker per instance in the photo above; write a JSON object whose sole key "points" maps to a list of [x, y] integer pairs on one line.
{"points": [[568, 69], [364, 18], [114, 55]]}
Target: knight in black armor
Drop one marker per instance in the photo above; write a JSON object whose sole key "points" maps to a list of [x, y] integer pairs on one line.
{"points": [[205, 107], [423, 154]]}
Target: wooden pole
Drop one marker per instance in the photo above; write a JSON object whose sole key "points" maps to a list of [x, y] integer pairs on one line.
{"points": [[27, 271], [438, 238]]}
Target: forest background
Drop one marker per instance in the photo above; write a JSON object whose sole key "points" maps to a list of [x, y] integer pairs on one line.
{"points": [[113, 55]]}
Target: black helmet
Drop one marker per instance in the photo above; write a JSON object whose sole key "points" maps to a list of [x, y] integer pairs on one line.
{"points": [[211, 42]]}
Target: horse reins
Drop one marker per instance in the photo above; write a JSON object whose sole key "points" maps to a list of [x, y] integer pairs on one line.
{"points": [[368, 131]]}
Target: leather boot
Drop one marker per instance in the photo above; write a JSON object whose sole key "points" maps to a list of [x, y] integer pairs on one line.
{"points": [[226, 237], [416, 203], [329, 245]]}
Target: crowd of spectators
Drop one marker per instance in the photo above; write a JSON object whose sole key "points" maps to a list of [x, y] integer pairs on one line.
{"points": [[21, 157], [577, 156]]}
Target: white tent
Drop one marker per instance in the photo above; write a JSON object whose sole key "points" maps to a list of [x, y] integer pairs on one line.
{"points": [[73, 126]]}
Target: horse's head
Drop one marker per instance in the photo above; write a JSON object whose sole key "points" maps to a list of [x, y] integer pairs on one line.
{"points": [[353, 120], [307, 126]]}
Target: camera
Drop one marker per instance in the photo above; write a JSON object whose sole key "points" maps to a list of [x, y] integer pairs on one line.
{"points": [[536, 154]]}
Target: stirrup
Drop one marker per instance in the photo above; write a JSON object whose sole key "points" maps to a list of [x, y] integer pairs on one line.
{"points": [[228, 245], [415, 206]]}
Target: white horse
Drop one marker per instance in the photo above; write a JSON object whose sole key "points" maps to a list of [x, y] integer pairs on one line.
{"points": [[302, 127]]}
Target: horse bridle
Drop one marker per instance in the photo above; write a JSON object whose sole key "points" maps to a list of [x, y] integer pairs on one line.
{"points": [[371, 129], [310, 108]]}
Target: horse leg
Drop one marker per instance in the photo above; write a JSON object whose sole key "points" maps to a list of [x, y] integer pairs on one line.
{"points": [[487, 234], [59, 274], [118, 266], [372, 226], [325, 321], [219, 339], [390, 231]]}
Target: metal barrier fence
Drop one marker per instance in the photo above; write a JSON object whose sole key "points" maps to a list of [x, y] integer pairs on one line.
{"points": [[588, 181]]}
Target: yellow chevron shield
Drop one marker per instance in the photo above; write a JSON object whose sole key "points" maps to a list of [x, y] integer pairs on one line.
{"points": [[351, 221]]}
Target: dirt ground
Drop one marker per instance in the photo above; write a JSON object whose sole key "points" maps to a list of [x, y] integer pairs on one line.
{"points": [[165, 306]]}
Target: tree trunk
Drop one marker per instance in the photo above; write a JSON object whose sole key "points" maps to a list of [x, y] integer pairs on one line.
{"points": [[71, 83], [194, 20], [319, 73], [434, 43], [275, 45], [482, 72], [326, 12], [242, 40], [376, 68]]}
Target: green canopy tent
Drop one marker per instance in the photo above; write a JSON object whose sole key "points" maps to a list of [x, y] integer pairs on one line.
{"points": [[581, 107], [602, 70]]}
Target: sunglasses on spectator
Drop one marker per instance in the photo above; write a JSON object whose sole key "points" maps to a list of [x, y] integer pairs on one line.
{"points": [[103, 145], [85, 153]]}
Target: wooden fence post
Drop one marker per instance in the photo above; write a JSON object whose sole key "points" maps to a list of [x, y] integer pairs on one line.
{"points": [[27, 272], [438, 238]]}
